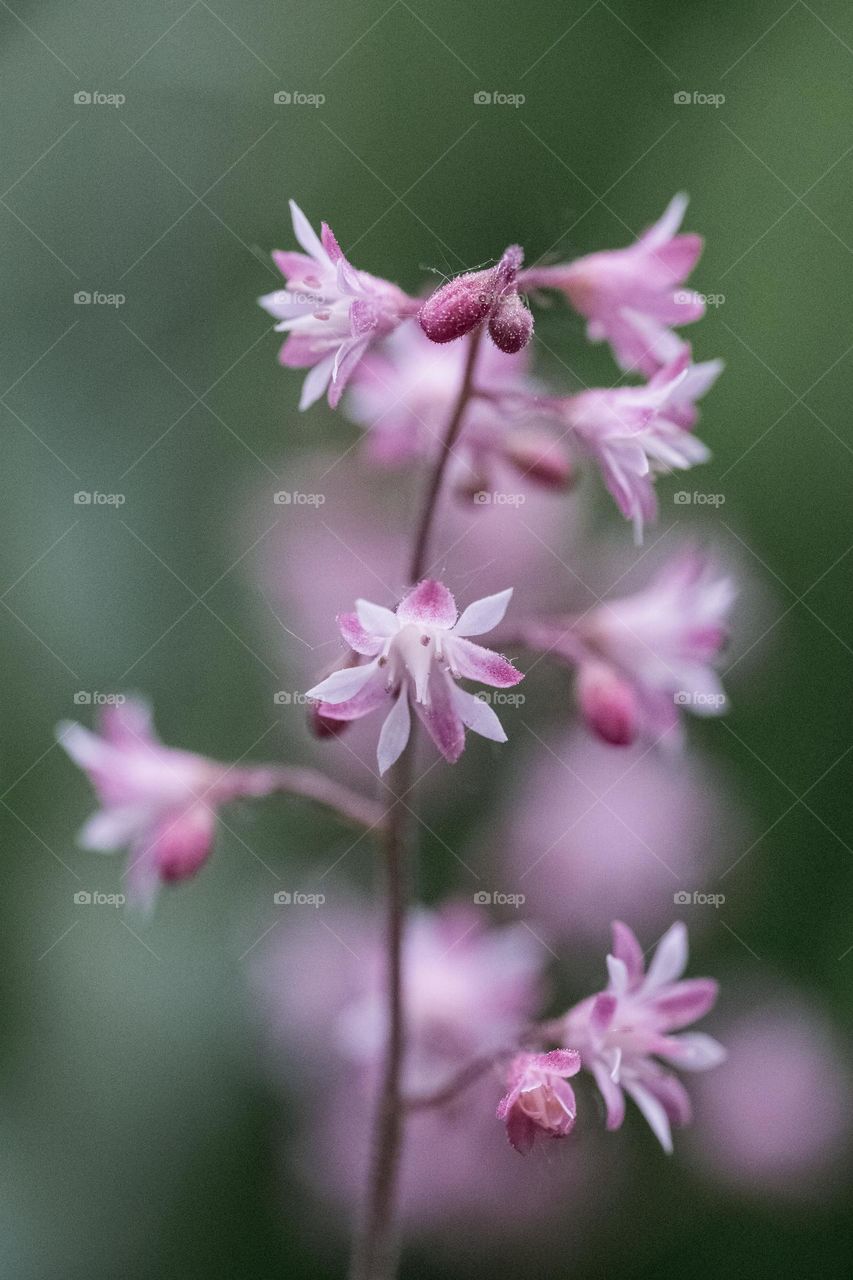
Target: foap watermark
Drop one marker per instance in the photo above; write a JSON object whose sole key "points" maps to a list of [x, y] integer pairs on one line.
{"points": [[286, 898], [85, 498], [683, 498], [94, 898], [287, 698], [695, 98], [83, 298], [494, 98], [293, 498], [92, 698], [500, 698], [301, 298], [487, 898], [696, 698], [683, 898], [495, 498], [95, 98], [685, 297], [295, 98]]}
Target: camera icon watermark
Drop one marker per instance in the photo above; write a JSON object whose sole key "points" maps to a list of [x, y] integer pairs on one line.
{"points": [[683, 898], [284, 898], [87, 898], [289, 698], [85, 98], [83, 298], [85, 498], [495, 498], [500, 698], [495, 898], [485, 98], [686, 297], [93, 698], [696, 698], [288, 98], [694, 98], [292, 497], [684, 498]]}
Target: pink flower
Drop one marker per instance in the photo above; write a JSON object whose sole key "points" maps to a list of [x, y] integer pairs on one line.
{"points": [[158, 801], [470, 991], [539, 1101], [775, 1119], [623, 1032], [463, 303], [331, 311], [630, 296], [403, 393], [644, 657], [419, 652], [637, 433]]}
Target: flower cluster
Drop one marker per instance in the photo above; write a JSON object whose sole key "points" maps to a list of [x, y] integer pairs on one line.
{"points": [[620, 1036], [352, 327], [447, 381]]}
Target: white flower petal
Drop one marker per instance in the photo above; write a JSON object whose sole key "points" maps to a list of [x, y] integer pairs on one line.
{"points": [[307, 236], [698, 1052], [482, 615], [342, 685], [316, 382], [478, 716], [618, 973], [669, 960], [109, 829], [395, 732], [653, 1111], [376, 619]]}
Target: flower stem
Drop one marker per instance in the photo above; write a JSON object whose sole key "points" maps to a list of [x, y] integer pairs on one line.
{"points": [[375, 1256], [376, 1249], [419, 556]]}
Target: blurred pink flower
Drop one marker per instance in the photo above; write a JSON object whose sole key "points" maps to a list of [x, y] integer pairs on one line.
{"points": [[466, 301], [622, 1032], [638, 433], [630, 296], [644, 657], [471, 990], [539, 1102], [403, 393], [775, 1119], [159, 801], [587, 833], [418, 653], [331, 311]]}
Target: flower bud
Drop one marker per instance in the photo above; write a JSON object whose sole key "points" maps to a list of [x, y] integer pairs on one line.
{"points": [[461, 304], [540, 457], [608, 704], [455, 308], [510, 324], [183, 843]]}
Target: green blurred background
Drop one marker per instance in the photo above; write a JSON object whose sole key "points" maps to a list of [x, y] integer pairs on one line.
{"points": [[137, 1137]]}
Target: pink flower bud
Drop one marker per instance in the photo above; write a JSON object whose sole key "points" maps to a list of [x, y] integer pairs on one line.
{"points": [[324, 726], [455, 308], [608, 704], [183, 843], [539, 1101], [510, 324], [461, 304], [540, 457]]}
